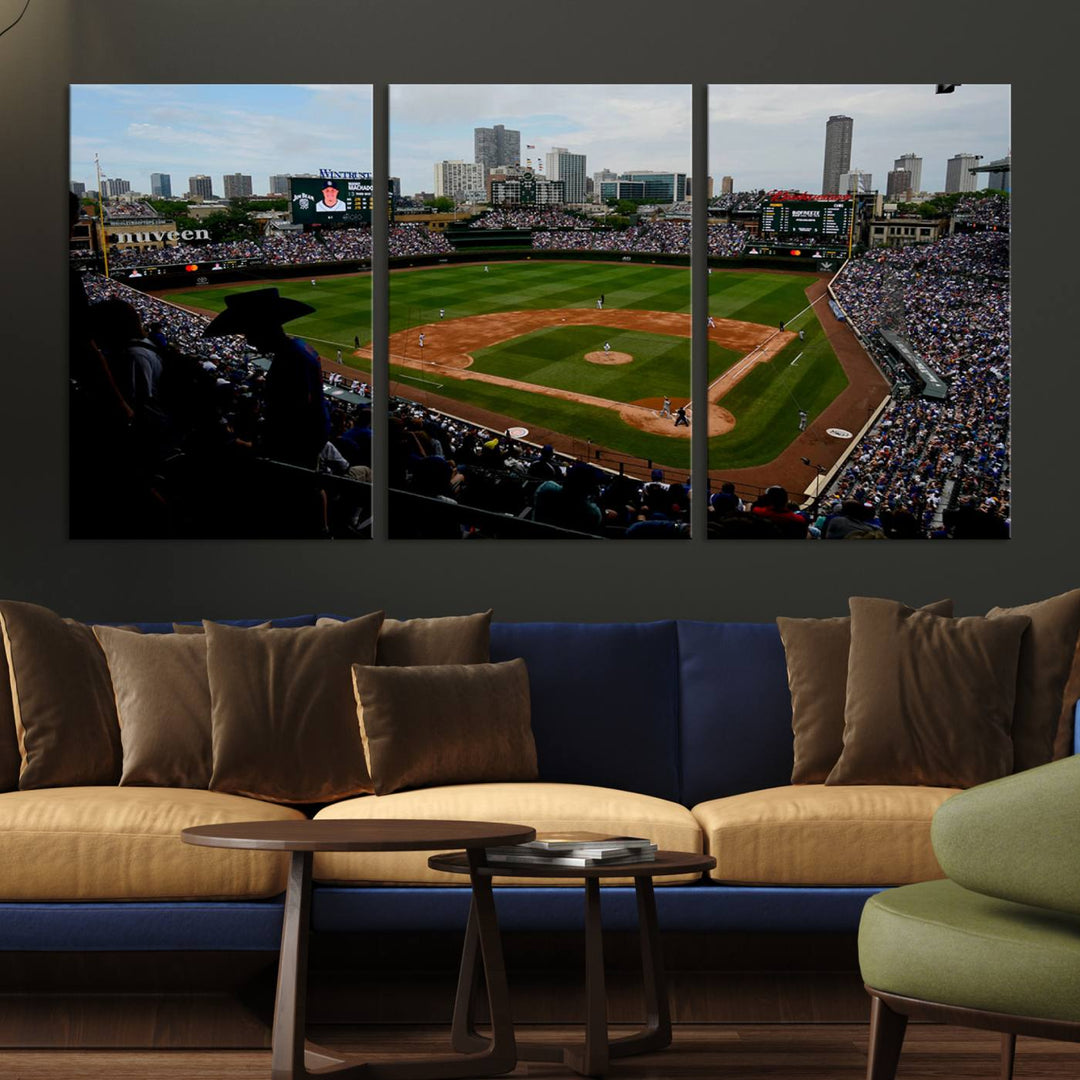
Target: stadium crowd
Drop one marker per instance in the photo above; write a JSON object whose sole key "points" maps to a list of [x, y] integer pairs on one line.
{"points": [[658, 237], [170, 430], [525, 217], [451, 461], [118, 211], [289, 248], [936, 459], [736, 201], [987, 212]]}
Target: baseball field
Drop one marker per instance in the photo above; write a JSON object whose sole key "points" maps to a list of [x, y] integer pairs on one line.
{"points": [[524, 341]]}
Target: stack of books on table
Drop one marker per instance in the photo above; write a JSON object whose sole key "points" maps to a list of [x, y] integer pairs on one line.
{"points": [[575, 849]]}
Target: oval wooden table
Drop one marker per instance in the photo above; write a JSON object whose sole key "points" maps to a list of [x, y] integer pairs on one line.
{"points": [[593, 1057], [291, 1057]]}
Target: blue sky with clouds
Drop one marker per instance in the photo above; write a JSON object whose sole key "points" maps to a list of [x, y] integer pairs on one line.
{"points": [[762, 135], [615, 127], [773, 136], [185, 130]]}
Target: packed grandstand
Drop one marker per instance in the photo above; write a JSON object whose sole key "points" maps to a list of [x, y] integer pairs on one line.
{"points": [[925, 468]]}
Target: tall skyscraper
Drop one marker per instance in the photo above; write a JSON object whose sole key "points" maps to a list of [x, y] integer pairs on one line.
{"points": [[727, 185], [958, 175], [237, 186], [279, 184], [161, 185], [856, 180], [913, 165], [837, 153], [201, 186], [899, 185], [570, 169], [495, 146], [463, 180], [78, 188], [112, 188]]}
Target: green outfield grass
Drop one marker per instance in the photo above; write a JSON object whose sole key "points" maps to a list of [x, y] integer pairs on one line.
{"points": [[555, 356], [764, 403]]}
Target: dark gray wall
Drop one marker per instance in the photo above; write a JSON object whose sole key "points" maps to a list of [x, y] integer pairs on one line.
{"points": [[60, 42]]}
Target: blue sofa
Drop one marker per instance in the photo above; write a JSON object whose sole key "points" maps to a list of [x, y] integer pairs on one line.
{"points": [[686, 712]]}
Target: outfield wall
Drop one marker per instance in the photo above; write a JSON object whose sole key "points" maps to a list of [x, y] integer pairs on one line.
{"points": [[262, 271]]}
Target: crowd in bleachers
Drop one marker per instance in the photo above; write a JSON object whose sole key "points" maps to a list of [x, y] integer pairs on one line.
{"points": [[417, 240], [117, 211], [657, 237], [181, 254], [985, 212], [736, 200], [950, 300], [525, 217], [168, 429], [451, 461]]}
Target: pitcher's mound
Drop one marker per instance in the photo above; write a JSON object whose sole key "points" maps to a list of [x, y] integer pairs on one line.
{"points": [[601, 357]]}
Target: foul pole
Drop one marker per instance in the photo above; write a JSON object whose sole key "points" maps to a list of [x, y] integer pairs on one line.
{"points": [[101, 217]]}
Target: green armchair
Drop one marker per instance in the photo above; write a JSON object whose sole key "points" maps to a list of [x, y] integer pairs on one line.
{"points": [[997, 944]]}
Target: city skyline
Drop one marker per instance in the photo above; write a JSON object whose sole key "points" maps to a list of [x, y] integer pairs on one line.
{"points": [[187, 130], [429, 124], [773, 136]]}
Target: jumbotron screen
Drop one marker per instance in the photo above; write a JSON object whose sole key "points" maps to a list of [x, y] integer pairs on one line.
{"points": [[317, 201], [825, 219]]}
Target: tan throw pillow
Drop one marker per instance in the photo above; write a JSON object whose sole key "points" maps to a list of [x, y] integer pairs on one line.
{"points": [[62, 698], [197, 628], [817, 661], [453, 639], [9, 740], [929, 699], [282, 710], [445, 724], [163, 702], [1046, 656]]}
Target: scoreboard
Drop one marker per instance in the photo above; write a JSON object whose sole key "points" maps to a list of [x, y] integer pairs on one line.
{"points": [[827, 220], [345, 202]]}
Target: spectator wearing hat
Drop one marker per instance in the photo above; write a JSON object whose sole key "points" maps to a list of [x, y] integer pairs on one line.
{"points": [[774, 508], [296, 427]]}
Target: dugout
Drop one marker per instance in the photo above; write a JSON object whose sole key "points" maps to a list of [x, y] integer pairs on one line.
{"points": [[926, 380]]}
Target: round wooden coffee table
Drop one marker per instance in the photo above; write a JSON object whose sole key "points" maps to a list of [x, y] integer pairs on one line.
{"points": [[291, 1057], [590, 1059]]}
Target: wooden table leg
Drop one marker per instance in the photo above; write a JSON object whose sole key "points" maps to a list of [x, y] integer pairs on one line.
{"points": [[290, 1012], [656, 1034], [1008, 1055], [294, 1059], [592, 1059], [463, 1034]]}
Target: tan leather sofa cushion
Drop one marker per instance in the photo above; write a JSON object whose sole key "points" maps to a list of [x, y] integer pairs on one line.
{"points": [[9, 740], [123, 843], [811, 834], [546, 807]]}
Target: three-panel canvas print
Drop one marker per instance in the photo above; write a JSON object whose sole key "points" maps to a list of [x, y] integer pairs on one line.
{"points": [[541, 339]]}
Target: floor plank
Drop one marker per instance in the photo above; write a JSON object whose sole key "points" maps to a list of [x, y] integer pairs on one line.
{"points": [[699, 1052]]}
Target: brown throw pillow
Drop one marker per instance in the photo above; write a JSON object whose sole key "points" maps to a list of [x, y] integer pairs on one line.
{"points": [[453, 639], [9, 740], [62, 697], [817, 664], [445, 724], [282, 710], [929, 699], [163, 702], [1046, 656], [198, 628]]}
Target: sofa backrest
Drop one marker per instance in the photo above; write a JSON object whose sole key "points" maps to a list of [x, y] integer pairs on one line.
{"points": [[605, 701], [735, 710]]}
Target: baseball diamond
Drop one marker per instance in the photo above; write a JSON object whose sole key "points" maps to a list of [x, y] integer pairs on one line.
{"points": [[523, 344]]}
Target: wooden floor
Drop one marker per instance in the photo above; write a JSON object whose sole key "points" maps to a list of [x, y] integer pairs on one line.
{"points": [[699, 1052]]}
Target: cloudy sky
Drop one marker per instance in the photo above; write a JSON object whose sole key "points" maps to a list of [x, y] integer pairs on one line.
{"points": [[185, 130], [774, 136], [615, 127]]}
